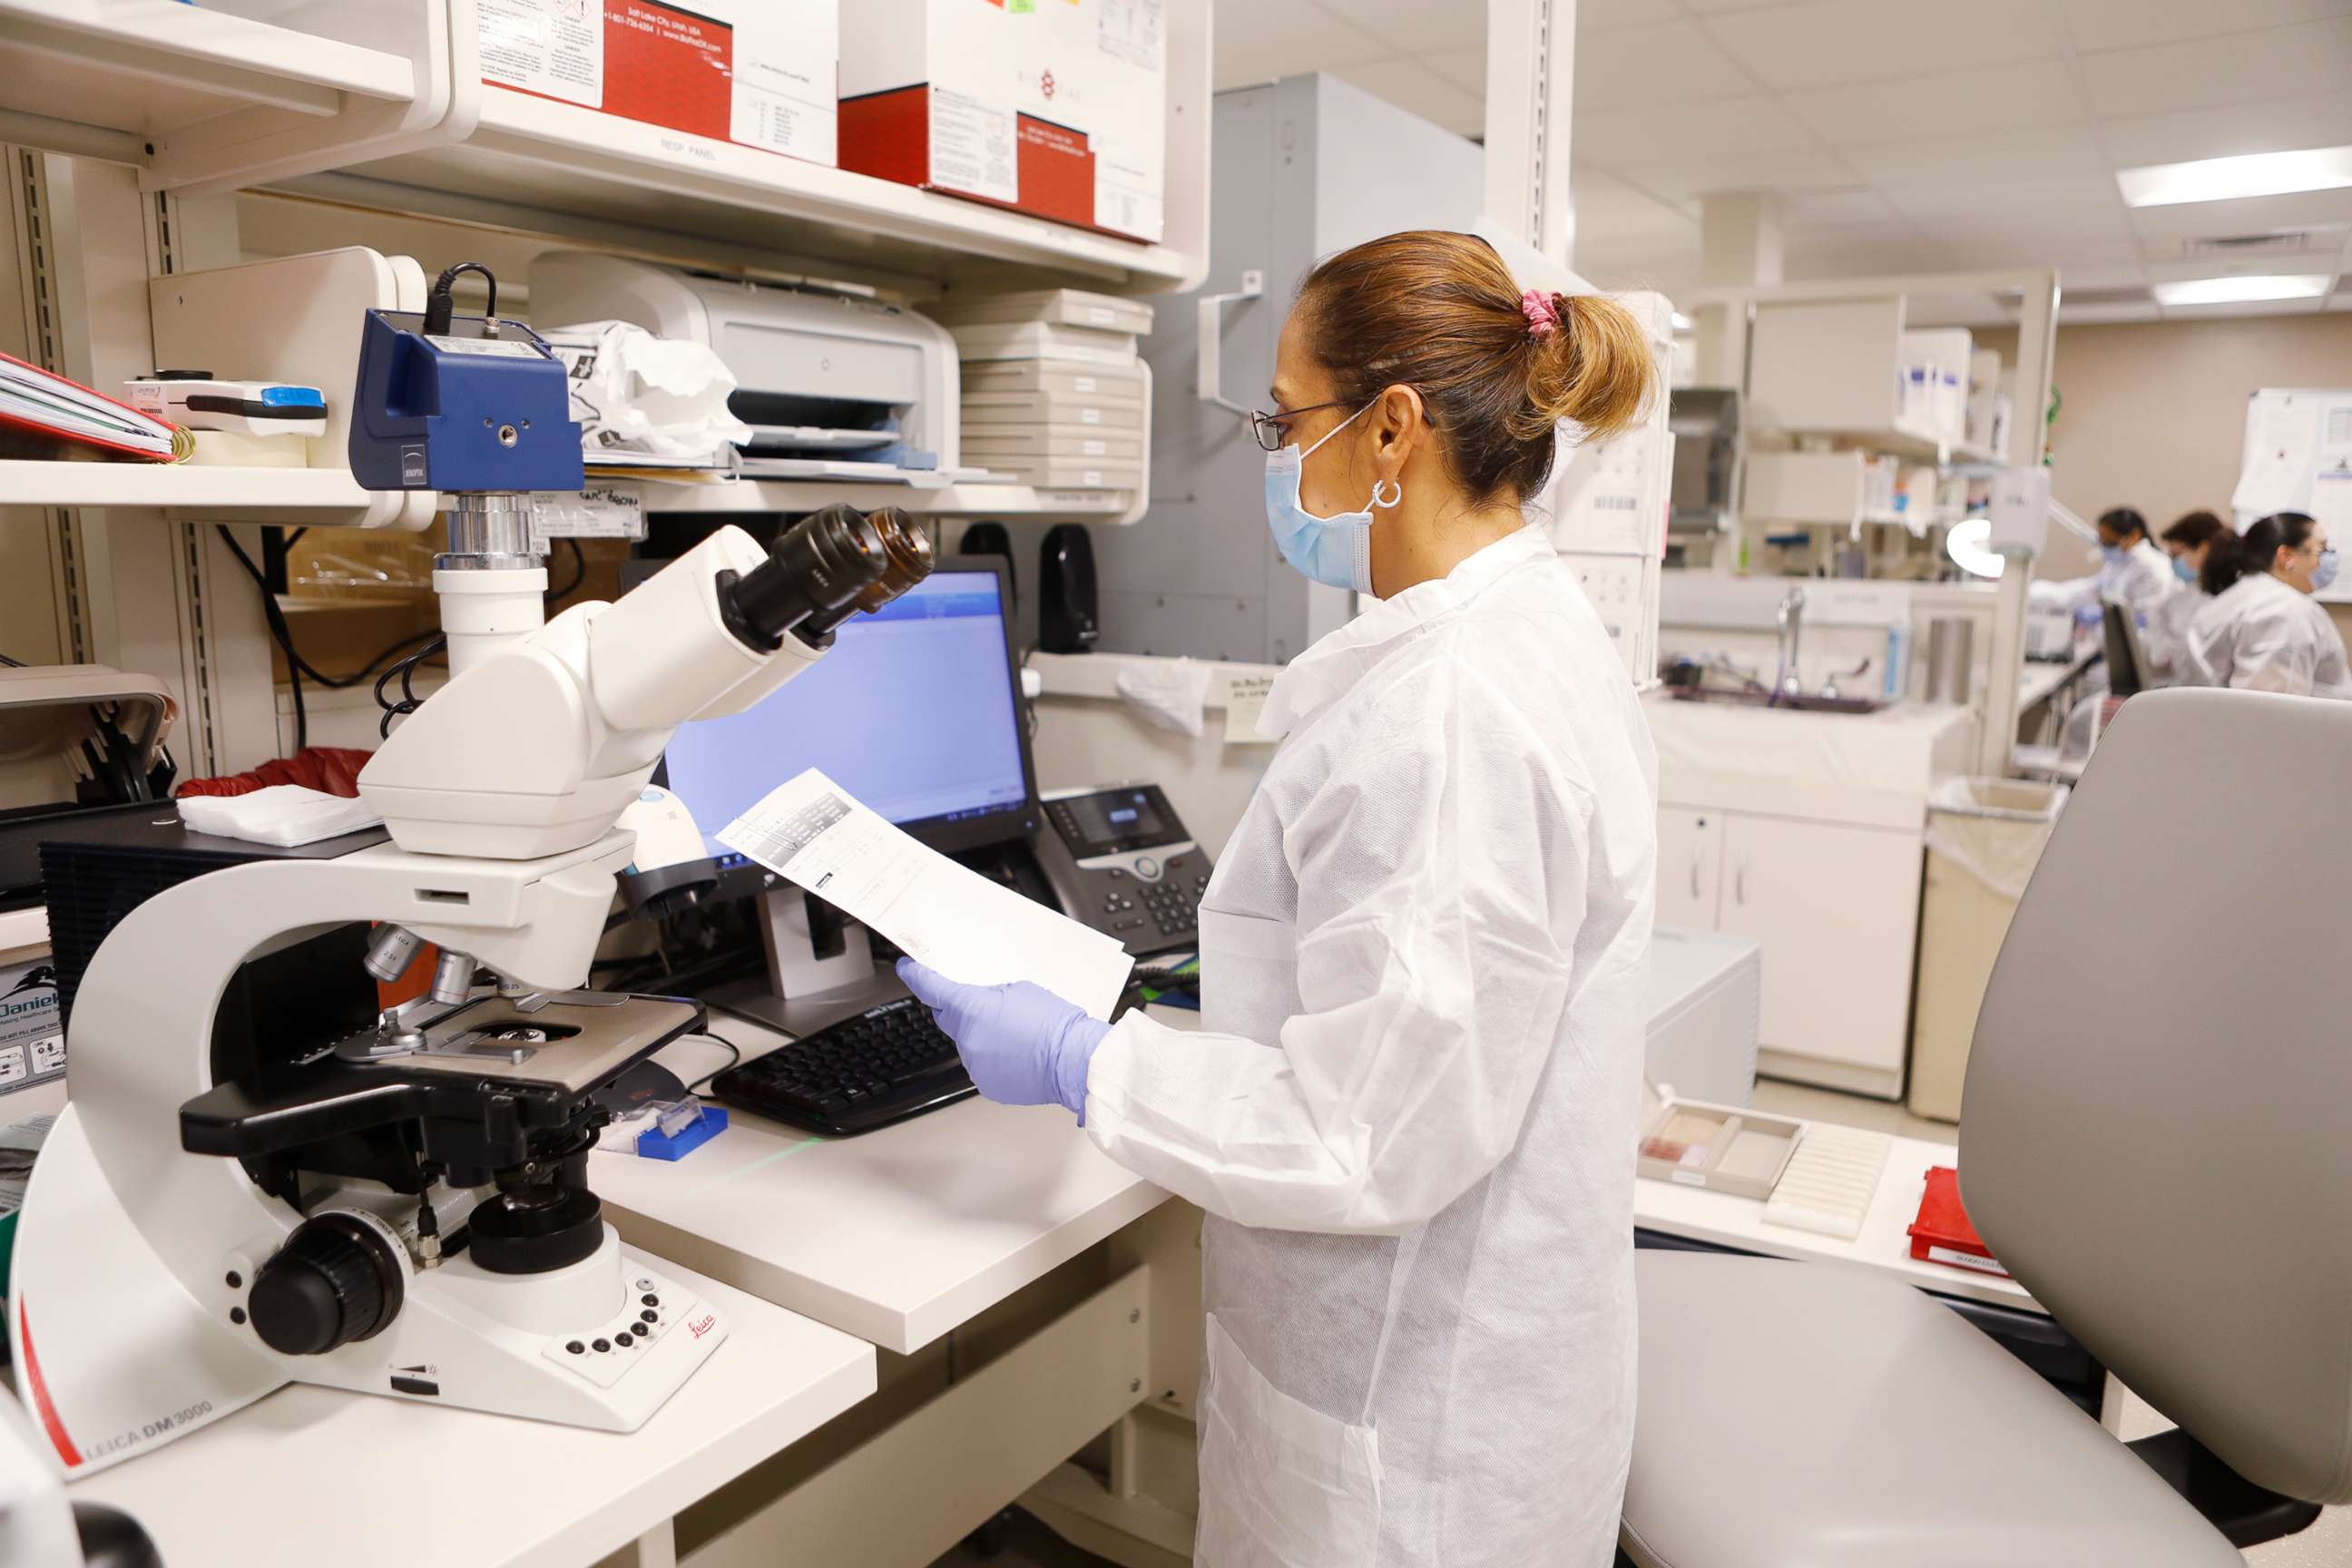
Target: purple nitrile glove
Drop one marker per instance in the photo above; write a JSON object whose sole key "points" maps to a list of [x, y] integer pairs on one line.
{"points": [[1022, 1044]]}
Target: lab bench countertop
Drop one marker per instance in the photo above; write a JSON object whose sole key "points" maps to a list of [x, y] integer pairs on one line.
{"points": [[2040, 679], [312, 1476], [1696, 1214], [1870, 769], [896, 1235]]}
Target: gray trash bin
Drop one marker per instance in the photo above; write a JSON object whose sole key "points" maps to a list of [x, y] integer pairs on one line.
{"points": [[1984, 837]]}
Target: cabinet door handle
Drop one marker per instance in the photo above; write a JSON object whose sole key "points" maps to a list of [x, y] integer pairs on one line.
{"points": [[1740, 884], [1694, 860]]}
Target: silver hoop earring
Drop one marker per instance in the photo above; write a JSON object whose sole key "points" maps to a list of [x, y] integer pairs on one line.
{"points": [[1395, 492]]}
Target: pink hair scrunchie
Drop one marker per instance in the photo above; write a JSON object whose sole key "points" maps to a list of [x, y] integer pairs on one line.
{"points": [[1543, 316]]}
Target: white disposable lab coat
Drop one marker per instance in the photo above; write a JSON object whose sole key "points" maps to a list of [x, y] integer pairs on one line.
{"points": [[2142, 580], [2166, 637], [1411, 1115], [2262, 635]]}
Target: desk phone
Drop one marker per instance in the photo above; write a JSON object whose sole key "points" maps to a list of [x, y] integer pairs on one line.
{"points": [[1122, 862]]}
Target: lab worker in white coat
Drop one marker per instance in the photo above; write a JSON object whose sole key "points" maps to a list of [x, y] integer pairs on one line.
{"points": [[2132, 571], [2262, 631], [1411, 1108], [2186, 544]]}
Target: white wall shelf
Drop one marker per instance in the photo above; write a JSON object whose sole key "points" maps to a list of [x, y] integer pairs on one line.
{"points": [[538, 152], [324, 495], [201, 98], [148, 66], [974, 500]]}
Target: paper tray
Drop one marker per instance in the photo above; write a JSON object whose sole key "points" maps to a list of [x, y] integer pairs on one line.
{"points": [[1722, 1148]]}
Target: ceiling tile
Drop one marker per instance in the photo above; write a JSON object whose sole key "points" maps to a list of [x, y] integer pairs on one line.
{"points": [[1415, 89], [2045, 235], [2055, 149], [1828, 41], [1609, 211], [1833, 212], [1417, 25], [2055, 198], [2241, 67], [2019, 96], [1598, 16], [1670, 62], [2070, 315], [1838, 256], [1263, 40], [2317, 120], [2126, 24], [1465, 69], [1802, 169], [1670, 134]]}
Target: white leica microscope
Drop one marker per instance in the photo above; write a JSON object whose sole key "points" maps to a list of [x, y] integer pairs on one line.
{"points": [[239, 1195]]}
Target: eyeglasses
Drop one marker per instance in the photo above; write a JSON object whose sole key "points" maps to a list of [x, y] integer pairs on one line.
{"points": [[1273, 430]]}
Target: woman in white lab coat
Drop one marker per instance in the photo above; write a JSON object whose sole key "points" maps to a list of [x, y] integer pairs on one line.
{"points": [[2132, 572], [2186, 543], [2262, 631], [1411, 1108]]}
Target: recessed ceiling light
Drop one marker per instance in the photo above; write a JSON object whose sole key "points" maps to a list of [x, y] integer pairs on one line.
{"points": [[2222, 179], [2242, 291]]}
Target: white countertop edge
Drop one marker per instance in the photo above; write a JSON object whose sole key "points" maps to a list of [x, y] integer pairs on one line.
{"points": [[595, 1535]]}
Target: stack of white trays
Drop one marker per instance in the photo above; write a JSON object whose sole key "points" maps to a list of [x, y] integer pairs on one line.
{"points": [[1054, 394]]}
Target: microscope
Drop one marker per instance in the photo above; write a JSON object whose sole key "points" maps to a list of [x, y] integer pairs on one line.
{"points": [[253, 1186]]}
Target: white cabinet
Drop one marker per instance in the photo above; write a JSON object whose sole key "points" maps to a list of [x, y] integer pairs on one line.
{"points": [[1835, 908], [1690, 866]]}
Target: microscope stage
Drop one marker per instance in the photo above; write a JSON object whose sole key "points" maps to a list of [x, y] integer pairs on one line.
{"points": [[574, 1041]]}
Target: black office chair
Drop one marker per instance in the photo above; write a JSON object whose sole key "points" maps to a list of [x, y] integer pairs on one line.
{"points": [[2129, 673]]}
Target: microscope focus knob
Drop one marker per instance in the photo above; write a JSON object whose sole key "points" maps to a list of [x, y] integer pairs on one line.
{"points": [[336, 1279]]}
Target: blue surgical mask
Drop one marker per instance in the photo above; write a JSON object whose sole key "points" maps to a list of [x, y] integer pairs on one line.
{"points": [[2323, 576], [2184, 569], [1333, 550], [2114, 554]]}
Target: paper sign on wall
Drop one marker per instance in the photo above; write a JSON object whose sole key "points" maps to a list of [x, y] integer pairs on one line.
{"points": [[1246, 698]]}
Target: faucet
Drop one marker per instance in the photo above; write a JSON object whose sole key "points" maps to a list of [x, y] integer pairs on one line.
{"points": [[1792, 616]]}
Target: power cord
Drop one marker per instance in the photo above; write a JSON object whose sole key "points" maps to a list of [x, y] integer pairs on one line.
{"points": [[297, 666], [734, 1059], [579, 573], [409, 701]]}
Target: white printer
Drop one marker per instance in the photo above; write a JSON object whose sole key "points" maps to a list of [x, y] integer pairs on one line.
{"points": [[835, 385]]}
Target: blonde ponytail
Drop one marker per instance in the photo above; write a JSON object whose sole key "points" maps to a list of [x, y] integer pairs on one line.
{"points": [[1495, 368], [1595, 369]]}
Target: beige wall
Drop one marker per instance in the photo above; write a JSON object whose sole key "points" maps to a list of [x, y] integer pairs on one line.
{"points": [[2154, 414]]}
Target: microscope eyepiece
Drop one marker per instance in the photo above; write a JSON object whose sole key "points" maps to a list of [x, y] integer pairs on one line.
{"points": [[909, 551], [823, 570]]}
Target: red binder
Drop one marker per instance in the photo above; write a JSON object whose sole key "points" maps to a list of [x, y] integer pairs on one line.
{"points": [[47, 417], [1942, 1234]]}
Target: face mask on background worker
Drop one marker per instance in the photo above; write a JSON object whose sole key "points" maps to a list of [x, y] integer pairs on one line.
{"points": [[1334, 550], [2323, 576]]}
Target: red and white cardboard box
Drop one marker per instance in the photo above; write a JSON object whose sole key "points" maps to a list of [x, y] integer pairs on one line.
{"points": [[1053, 107], [759, 73]]}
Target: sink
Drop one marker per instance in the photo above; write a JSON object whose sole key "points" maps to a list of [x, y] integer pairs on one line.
{"points": [[1808, 704]]}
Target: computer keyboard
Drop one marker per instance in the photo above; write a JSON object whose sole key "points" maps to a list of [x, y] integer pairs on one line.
{"points": [[883, 1066]]}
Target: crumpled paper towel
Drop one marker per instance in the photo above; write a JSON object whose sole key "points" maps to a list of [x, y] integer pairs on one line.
{"points": [[1169, 692], [657, 397], [282, 814]]}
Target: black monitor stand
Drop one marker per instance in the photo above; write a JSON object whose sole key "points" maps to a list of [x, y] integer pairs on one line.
{"points": [[821, 968]]}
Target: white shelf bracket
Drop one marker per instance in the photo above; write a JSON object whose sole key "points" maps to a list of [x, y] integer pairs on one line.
{"points": [[1210, 362]]}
